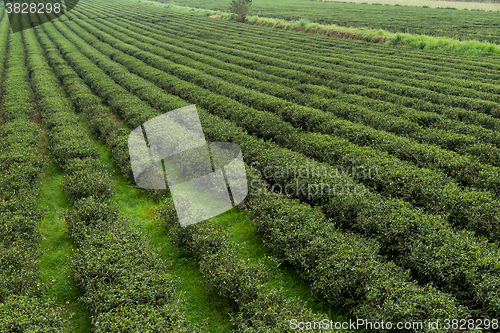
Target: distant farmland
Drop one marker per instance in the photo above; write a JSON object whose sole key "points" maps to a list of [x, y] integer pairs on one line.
{"points": [[484, 5], [459, 24]]}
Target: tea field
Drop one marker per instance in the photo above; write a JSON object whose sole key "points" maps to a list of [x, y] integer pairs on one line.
{"points": [[373, 172], [442, 22]]}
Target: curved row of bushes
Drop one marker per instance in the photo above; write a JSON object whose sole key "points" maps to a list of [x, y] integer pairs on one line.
{"points": [[420, 242], [165, 102], [202, 51], [124, 283], [475, 210], [380, 120], [463, 168], [23, 306], [434, 61], [374, 75]]}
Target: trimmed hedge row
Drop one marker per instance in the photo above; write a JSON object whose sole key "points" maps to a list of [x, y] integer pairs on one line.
{"points": [[364, 94], [318, 45], [21, 305], [113, 264], [458, 142], [22, 164], [407, 81], [165, 100], [475, 210], [425, 118]]}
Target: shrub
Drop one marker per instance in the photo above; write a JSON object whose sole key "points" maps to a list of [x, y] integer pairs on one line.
{"points": [[91, 215], [30, 314], [86, 177], [144, 318], [303, 22], [240, 8]]}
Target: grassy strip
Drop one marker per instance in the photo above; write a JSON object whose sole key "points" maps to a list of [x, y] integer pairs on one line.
{"points": [[422, 42], [127, 113], [58, 248]]}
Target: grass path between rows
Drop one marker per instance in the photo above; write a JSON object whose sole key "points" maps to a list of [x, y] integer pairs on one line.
{"points": [[57, 247]]}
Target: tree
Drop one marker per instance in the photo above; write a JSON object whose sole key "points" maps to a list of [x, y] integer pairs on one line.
{"points": [[240, 8]]}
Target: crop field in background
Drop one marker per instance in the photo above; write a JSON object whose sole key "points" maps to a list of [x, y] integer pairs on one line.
{"points": [[484, 5], [452, 23], [391, 211]]}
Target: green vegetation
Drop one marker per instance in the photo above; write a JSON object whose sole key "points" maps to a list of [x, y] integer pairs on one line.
{"points": [[468, 37], [55, 262], [492, 5], [241, 8], [22, 291], [451, 23], [393, 213]]}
